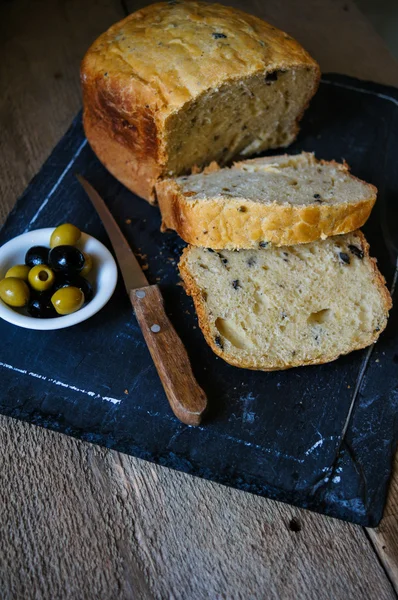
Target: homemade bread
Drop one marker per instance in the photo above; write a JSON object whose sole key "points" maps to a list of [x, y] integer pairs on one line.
{"points": [[276, 308], [281, 199], [178, 84]]}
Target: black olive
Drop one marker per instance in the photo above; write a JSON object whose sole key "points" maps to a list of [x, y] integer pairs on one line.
{"points": [[355, 250], [218, 342], [344, 258], [77, 281], [37, 255], [40, 307], [273, 76], [66, 259]]}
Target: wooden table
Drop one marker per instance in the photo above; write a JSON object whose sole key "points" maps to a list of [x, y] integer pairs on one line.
{"points": [[79, 521]]}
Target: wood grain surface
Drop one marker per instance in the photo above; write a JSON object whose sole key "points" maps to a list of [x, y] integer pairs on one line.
{"points": [[79, 521], [187, 399]]}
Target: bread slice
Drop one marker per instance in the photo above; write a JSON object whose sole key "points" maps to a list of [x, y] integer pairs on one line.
{"points": [[276, 308], [178, 84], [284, 200]]}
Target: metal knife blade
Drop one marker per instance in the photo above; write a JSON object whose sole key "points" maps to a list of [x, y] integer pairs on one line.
{"points": [[132, 273], [187, 399]]}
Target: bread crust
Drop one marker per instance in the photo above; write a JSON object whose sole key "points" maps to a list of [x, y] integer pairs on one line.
{"points": [[239, 223], [121, 126], [193, 290], [133, 81]]}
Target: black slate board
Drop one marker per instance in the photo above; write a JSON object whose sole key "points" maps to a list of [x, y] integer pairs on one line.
{"points": [[320, 437]]}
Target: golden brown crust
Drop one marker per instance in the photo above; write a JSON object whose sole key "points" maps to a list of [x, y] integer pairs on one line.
{"points": [[193, 290], [122, 130], [148, 66], [137, 175], [379, 279], [238, 223]]}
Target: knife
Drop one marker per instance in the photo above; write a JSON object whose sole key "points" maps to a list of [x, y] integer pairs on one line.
{"points": [[187, 399]]}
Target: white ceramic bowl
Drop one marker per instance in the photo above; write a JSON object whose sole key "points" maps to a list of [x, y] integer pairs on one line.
{"points": [[103, 278]]}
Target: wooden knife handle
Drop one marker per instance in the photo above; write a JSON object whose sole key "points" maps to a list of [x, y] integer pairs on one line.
{"points": [[187, 399]]}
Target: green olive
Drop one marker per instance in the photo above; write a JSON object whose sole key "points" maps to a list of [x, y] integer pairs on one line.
{"points": [[14, 292], [19, 271], [41, 278], [88, 265], [67, 300], [65, 235]]}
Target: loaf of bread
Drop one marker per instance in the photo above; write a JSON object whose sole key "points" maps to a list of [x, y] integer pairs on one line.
{"points": [[275, 308], [179, 84], [285, 200]]}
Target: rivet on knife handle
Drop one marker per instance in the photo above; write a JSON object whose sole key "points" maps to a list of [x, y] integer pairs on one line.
{"points": [[187, 399]]}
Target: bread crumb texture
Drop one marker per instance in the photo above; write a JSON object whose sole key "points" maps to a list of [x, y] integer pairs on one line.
{"points": [[275, 308], [284, 200]]}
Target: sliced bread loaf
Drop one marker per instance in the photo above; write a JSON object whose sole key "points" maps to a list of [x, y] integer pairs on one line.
{"points": [[284, 200], [275, 308], [178, 84]]}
